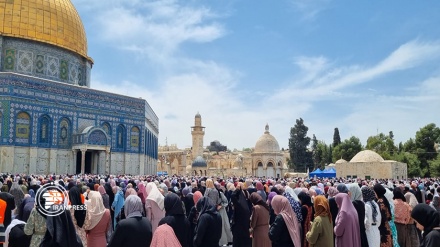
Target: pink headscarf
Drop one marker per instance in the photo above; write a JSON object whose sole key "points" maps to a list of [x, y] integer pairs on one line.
{"points": [[260, 186], [101, 190], [164, 236], [196, 197], [130, 191], [142, 190], [281, 206]]}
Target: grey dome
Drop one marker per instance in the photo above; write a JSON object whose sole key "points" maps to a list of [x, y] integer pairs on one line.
{"points": [[199, 162]]}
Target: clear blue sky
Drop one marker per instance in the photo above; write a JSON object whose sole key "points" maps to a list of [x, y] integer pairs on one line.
{"points": [[362, 66]]}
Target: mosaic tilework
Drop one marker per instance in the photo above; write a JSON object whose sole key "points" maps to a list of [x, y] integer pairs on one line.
{"points": [[84, 122], [25, 62], [44, 61], [41, 97], [9, 59], [97, 137]]}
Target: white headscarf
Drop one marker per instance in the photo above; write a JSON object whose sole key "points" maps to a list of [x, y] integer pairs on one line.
{"points": [[95, 209], [356, 193], [155, 195], [14, 222], [291, 193]]}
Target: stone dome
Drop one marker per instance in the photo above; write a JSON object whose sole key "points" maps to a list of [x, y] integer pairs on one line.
{"points": [[340, 161], [267, 143], [367, 156], [198, 115], [199, 162], [55, 22]]}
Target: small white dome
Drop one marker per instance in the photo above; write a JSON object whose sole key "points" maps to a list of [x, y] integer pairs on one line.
{"points": [[267, 143], [340, 161], [367, 156]]}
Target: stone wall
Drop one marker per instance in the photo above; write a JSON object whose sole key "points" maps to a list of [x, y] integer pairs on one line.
{"points": [[374, 170]]}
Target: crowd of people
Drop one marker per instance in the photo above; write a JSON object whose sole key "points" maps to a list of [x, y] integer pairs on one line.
{"points": [[215, 211]]}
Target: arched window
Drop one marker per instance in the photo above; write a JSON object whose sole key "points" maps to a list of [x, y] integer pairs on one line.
{"points": [[120, 137], [44, 130], [22, 128], [64, 133], [135, 136], [106, 127]]}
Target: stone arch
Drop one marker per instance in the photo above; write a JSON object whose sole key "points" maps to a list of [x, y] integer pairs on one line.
{"points": [[135, 136], [23, 128], [120, 137], [44, 130], [107, 128], [64, 132]]}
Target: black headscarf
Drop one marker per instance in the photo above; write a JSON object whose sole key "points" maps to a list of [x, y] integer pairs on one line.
{"points": [[206, 206], [305, 199], [426, 216], [26, 207], [40, 207], [173, 205], [398, 195], [256, 199], [369, 197], [60, 231], [380, 192], [75, 199]]}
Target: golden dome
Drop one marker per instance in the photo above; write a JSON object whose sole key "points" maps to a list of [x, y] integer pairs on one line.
{"points": [[55, 22]]}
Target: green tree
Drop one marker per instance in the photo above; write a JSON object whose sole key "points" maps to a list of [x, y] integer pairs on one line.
{"points": [[336, 138], [412, 161], [410, 146], [298, 143], [434, 167], [324, 151], [347, 149], [426, 138], [382, 144], [316, 153]]}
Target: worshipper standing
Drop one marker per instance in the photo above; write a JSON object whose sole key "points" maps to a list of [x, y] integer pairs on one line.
{"points": [[386, 239], [332, 192], [372, 217], [154, 205], [226, 237], [187, 198], [271, 212], [99, 221], [435, 204], [229, 190], [307, 215], [18, 195], [428, 221], [111, 197], [285, 222], [164, 236], [241, 217], [15, 236], [59, 231], [294, 202], [36, 224], [175, 218], [347, 223], [359, 205], [389, 196], [406, 230], [259, 221], [117, 204], [209, 224], [142, 193], [260, 190], [321, 232], [79, 217], [194, 215], [105, 197], [134, 230], [26, 208]]}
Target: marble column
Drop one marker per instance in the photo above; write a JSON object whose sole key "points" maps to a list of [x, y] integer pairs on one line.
{"points": [[73, 168], [107, 160], [83, 160]]}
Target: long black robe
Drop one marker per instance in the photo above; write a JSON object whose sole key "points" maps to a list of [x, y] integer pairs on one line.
{"points": [[241, 219]]}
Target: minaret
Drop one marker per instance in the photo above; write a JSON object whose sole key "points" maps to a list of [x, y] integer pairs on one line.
{"points": [[197, 132]]}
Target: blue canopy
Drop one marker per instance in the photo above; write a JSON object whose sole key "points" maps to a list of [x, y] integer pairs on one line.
{"points": [[329, 173], [316, 172]]}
